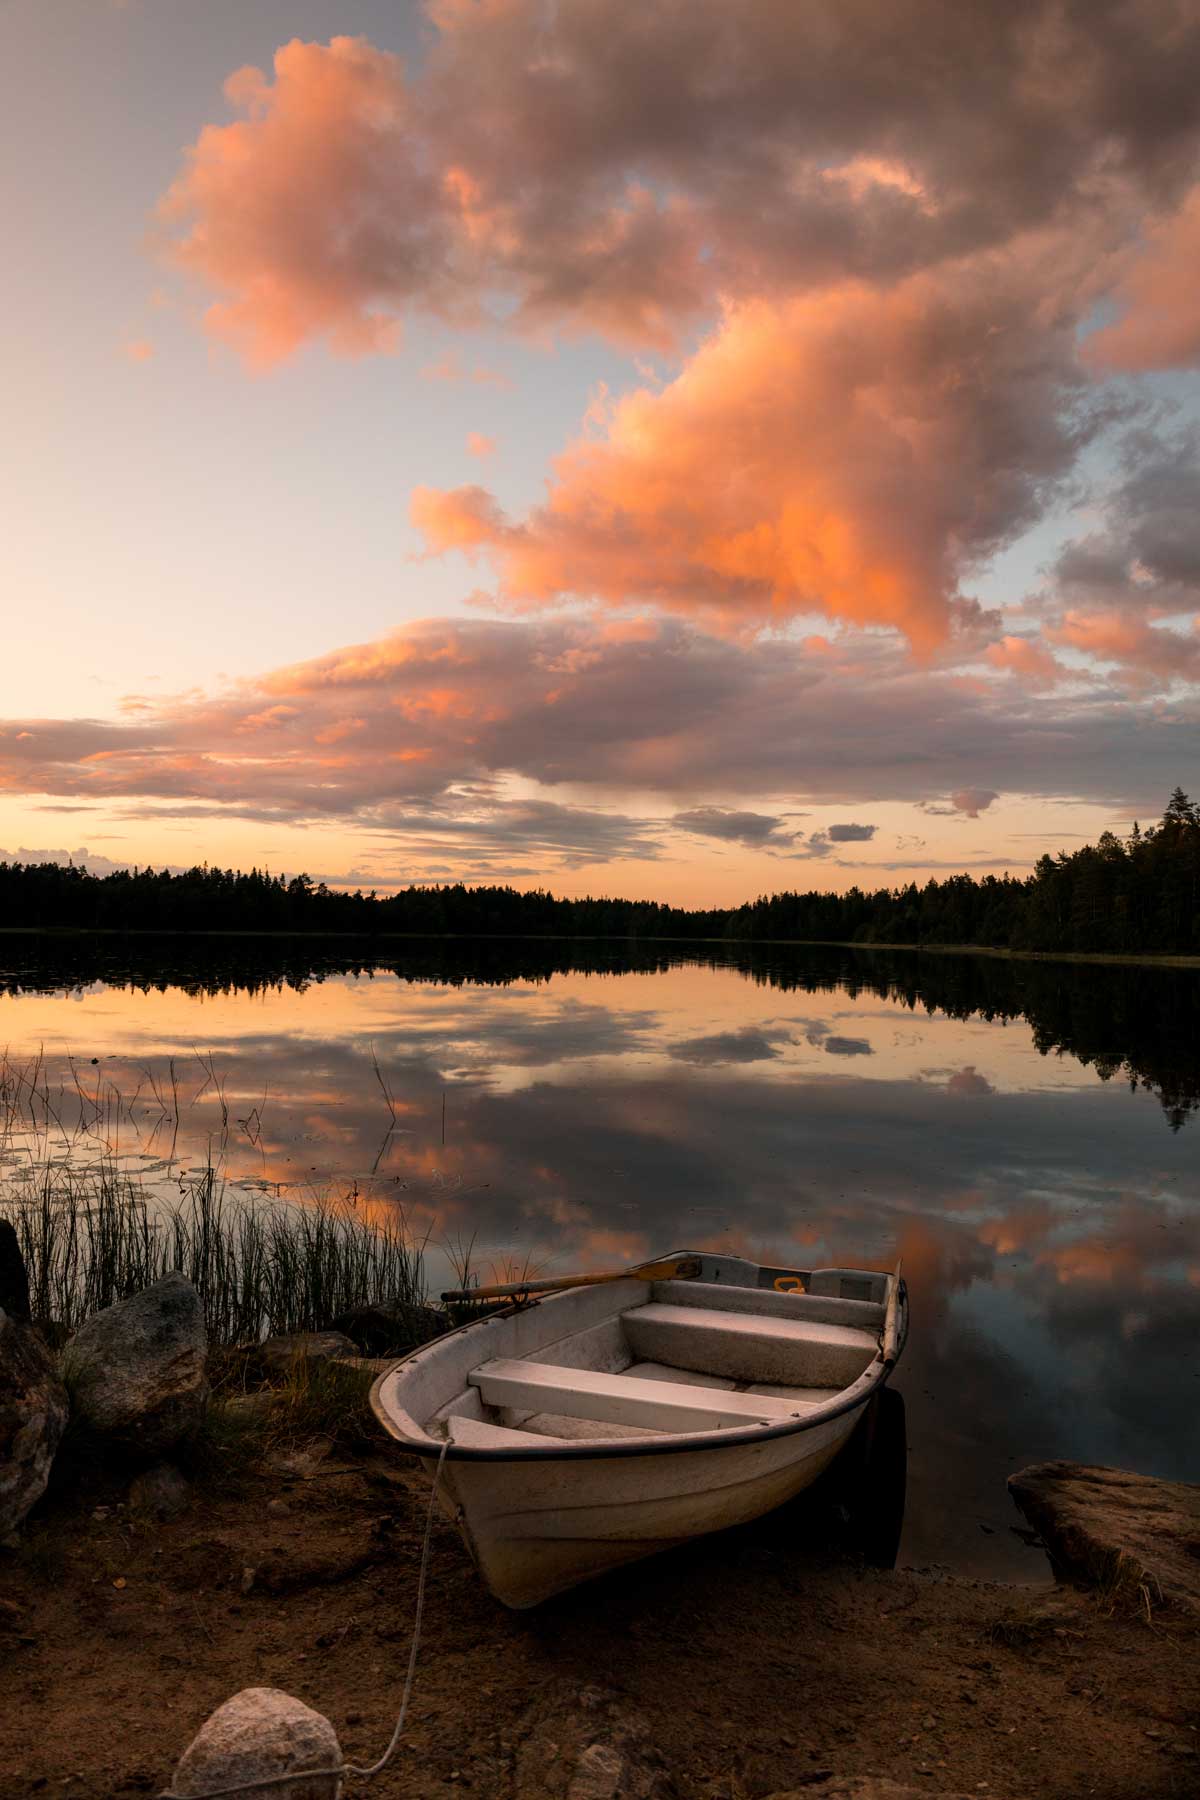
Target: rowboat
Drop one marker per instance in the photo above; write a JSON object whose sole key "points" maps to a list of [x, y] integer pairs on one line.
{"points": [[577, 1430]]}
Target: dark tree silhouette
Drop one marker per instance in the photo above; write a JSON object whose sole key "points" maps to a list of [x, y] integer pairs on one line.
{"points": [[1139, 895]]}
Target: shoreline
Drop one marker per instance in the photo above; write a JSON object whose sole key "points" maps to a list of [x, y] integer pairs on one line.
{"points": [[744, 1666], [1001, 953]]}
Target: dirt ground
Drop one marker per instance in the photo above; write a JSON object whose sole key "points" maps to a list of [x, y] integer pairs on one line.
{"points": [[744, 1666]]}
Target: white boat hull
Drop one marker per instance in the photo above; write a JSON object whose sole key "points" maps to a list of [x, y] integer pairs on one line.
{"points": [[536, 1529]]}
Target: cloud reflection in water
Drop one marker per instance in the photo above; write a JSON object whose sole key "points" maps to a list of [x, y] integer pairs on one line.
{"points": [[1049, 1224]]}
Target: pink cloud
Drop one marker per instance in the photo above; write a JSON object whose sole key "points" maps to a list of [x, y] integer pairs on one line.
{"points": [[139, 350], [620, 172], [276, 212], [480, 445], [428, 724], [969, 801]]}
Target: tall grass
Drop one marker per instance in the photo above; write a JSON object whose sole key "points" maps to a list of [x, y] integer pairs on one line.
{"points": [[92, 1231], [92, 1236]]}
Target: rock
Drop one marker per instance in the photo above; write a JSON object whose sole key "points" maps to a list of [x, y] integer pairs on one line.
{"points": [[33, 1417], [136, 1370], [1110, 1527], [261, 1733], [279, 1355], [161, 1491], [14, 1282], [391, 1325], [597, 1774]]}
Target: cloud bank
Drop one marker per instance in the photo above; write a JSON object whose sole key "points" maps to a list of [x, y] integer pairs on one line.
{"points": [[554, 742], [874, 237]]}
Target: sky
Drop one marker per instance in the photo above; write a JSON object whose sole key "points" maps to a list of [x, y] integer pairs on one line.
{"points": [[677, 449]]}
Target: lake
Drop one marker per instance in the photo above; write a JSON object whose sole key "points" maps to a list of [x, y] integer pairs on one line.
{"points": [[1023, 1134]]}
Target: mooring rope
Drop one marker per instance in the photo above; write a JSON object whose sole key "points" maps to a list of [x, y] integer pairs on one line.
{"points": [[351, 1769]]}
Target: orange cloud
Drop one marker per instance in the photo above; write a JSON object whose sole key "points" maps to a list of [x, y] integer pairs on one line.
{"points": [[465, 518], [1026, 657], [1130, 640], [480, 445], [1159, 300], [139, 350], [834, 453]]}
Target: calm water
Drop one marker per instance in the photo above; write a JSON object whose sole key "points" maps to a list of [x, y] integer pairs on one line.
{"points": [[1025, 1135]]}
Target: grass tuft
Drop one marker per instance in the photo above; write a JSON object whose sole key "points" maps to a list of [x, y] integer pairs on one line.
{"points": [[91, 1237]]}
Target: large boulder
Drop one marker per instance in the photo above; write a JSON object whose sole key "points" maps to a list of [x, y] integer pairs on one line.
{"points": [[1112, 1528], [261, 1733], [136, 1370], [33, 1417]]}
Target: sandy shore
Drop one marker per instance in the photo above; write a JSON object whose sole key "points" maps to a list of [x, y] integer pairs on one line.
{"points": [[743, 1667]]}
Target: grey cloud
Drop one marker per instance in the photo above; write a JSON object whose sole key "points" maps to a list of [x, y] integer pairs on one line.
{"points": [[755, 829], [846, 1046], [851, 834], [81, 857], [1147, 553]]}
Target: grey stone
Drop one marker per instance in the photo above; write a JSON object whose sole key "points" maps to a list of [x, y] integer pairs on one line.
{"points": [[279, 1355], [33, 1417], [161, 1490], [259, 1733], [1112, 1528], [136, 1370]]}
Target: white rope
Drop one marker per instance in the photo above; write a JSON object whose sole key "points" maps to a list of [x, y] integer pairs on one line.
{"points": [[345, 1768]]}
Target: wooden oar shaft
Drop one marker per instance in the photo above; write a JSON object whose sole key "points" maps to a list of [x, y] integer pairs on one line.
{"points": [[678, 1268]]}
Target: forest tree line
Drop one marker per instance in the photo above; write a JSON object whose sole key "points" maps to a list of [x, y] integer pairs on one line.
{"points": [[1137, 894]]}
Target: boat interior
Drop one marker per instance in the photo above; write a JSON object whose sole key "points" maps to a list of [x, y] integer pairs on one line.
{"points": [[667, 1357]]}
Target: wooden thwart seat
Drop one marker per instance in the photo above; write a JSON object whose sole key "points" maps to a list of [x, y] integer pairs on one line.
{"points": [[624, 1399], [792, 1352]]}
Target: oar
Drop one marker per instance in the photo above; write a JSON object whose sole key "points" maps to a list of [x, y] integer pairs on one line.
{"points": [[671, 1268]]}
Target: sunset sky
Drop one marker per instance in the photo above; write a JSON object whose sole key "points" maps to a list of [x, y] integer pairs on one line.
{"points": [[683, 448]]}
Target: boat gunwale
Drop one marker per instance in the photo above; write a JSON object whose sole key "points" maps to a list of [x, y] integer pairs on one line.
{"points": [[668, 1444]]}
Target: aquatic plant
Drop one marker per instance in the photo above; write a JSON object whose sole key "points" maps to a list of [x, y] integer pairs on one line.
{"points": [[94, 1235]]}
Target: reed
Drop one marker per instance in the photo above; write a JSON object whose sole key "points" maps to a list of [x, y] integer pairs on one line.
{"points": [[92, 1236]]}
